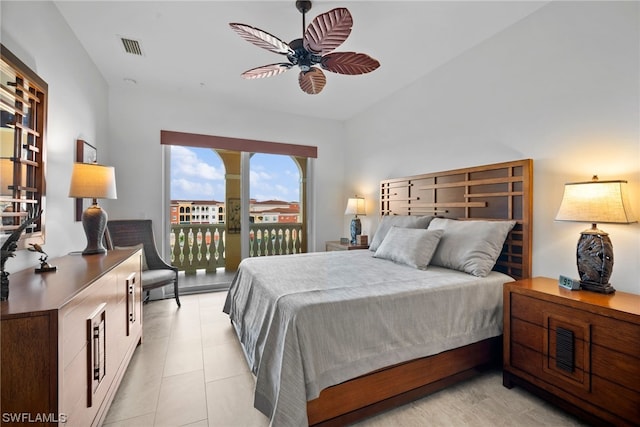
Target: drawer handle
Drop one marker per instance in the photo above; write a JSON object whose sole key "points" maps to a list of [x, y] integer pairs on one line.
{"points": [[131, 301], [98, 351]]}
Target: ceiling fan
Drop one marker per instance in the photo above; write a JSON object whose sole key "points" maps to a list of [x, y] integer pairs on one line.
{"points": [[312, 52]]}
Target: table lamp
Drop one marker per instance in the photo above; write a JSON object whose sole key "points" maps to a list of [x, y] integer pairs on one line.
{"points": [[93, 181], [355, 206], [595, 201]]}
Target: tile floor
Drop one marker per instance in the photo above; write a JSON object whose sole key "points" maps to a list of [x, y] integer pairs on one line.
{"points": [[190, 371]]}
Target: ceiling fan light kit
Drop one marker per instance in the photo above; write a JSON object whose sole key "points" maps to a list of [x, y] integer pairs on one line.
{"points": [[312, 52]]}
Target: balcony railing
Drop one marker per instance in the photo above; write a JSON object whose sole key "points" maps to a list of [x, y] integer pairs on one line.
{"points": [[202, 246], [275, 239]]}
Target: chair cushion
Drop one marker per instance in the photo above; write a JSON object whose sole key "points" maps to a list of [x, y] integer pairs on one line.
{"points": [[152, 278]]}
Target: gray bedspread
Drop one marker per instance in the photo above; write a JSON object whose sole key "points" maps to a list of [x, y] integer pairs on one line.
{"points": [[309, 321]]}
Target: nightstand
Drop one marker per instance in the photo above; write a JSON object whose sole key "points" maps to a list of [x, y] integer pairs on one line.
{"points": [[337, 246], [578, 349]]}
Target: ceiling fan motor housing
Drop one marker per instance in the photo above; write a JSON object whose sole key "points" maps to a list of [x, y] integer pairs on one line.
{"points": [[301, 56]]}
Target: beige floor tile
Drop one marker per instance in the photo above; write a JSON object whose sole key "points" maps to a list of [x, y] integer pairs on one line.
{"points": [[131, 405], [201, 423], [223, 361], [186, 324], [141, 421], [183, 355], [230, 403], [156, 327], [212, 300], [182, 400], [148, 359], [216, 332]]}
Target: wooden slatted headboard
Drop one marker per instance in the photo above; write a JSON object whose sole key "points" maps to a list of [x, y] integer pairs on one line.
{"points": [[499, 191]]}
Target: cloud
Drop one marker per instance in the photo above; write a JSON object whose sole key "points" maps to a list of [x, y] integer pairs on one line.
{"points": [[185, 161], [188, 189], [271, 186], [259, 178], [192, 178]]}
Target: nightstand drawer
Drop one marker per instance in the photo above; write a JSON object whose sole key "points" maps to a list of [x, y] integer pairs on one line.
{"points": [[527, 334], [602, 393], [606, 331], [607, 363]]}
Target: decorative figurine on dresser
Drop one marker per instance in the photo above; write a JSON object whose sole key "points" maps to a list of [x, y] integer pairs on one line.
{"points": [[7, 251], [45, 267]]}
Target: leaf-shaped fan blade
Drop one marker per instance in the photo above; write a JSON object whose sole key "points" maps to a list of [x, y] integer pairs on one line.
{"points": [[349, 63], [327, 31], [261, 38], [312, 81], [266, 71]]}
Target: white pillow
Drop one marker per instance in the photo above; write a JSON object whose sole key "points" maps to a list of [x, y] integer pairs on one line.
{"points": [[470, 246], [411, 246], [404, 221]]}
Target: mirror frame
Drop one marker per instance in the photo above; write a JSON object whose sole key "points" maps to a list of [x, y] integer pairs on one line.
{"points": [[28, 184]]}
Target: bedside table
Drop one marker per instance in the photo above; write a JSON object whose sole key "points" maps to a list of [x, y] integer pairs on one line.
{"points": [[335, 245], [578, 349]]}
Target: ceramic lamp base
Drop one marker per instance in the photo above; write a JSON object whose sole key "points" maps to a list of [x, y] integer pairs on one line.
{"points": [[94, 222], [595, 261], [356, 229]]}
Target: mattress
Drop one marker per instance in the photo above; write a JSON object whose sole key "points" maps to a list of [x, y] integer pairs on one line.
{"points": [[310, 321]]}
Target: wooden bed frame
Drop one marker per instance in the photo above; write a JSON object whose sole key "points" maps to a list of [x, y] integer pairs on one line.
{"points": [[499, 191]]}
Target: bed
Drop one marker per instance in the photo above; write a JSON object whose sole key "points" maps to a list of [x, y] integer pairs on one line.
{"points": [[334, 337]]}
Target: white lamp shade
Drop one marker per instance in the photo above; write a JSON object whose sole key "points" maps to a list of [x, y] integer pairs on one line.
{"points": [[596, 202], [355, 206], [93, 181]]}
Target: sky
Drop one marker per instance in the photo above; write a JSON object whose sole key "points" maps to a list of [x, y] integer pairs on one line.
{"points": [[198, 174]]}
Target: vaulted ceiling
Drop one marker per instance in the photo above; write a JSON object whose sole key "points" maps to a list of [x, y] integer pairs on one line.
{"points": [[188, 48]]}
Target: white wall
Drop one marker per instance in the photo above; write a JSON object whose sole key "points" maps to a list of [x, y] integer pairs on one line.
{"points": [[138, 117], [36, 33], [561, 87]]}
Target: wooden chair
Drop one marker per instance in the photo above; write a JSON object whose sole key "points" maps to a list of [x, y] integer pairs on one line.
{"points": [[155, 271]]}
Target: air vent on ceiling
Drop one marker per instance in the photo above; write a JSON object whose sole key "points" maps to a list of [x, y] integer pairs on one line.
{"points": [[131, 46]]}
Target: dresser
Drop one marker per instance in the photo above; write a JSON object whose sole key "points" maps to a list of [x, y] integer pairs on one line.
{"points": [[67, 338], [578, 349]]}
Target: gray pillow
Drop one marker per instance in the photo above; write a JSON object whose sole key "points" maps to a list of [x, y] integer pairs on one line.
{"points": [[411, 246], [470, 246], [404, 221]]}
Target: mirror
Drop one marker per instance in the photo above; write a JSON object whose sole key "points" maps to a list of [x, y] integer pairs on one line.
{"points": [[23, 101]]}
